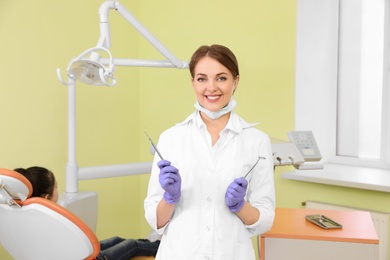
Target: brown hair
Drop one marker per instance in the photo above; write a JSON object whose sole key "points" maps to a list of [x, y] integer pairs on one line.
{"points": [[42, 180], [218, 52]]}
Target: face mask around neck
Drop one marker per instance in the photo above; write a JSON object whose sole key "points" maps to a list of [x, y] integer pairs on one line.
{"points": [[217, 114]]}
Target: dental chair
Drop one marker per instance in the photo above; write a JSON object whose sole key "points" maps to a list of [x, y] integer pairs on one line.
{"points": [[37, 228]]}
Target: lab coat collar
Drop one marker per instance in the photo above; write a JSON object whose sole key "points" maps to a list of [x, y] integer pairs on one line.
{"points": [[235, 123]]}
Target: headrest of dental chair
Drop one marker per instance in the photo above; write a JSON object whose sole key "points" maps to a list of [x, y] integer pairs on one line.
{"points": [[13, 186], [37, 228]]}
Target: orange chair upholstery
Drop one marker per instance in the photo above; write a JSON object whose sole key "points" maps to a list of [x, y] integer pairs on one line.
{"points": [[36, 228]]}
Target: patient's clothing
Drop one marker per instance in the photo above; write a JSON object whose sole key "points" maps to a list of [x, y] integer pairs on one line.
{"points": [[117, 248], [202, 226]]}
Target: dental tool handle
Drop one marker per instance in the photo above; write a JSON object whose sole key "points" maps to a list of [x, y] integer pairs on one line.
{"points": [[154, 146], [253, 166]]}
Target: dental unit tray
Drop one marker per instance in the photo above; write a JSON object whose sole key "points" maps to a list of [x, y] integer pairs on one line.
{"points": [[323, 221]]}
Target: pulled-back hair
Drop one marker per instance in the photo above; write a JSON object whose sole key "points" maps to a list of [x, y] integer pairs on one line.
{"points": [[42, 180], [218, 52]]}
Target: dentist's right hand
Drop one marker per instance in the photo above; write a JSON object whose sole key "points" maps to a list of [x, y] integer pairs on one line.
{"points": [[170, 181]]}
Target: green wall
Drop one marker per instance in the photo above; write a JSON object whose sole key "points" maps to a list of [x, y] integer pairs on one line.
{"points": [[36, 37]]}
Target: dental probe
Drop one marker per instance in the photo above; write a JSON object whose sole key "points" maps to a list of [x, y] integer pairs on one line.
{"points": [[154, 146], [253, 166]]}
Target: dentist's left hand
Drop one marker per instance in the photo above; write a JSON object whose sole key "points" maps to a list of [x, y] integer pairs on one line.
{"points": [[170, 181], [235, 194]]}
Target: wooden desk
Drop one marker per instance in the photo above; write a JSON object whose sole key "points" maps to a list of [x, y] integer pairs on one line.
{"points": [[292, 237]]}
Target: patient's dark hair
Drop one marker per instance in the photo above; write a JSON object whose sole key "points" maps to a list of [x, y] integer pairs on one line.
{"points": [[42, 180]]}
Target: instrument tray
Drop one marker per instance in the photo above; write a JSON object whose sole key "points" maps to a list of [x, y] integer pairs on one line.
{"points": [[323, 221]]}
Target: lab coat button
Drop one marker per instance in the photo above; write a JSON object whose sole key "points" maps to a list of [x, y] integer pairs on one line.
{"points": [[208, 199]]}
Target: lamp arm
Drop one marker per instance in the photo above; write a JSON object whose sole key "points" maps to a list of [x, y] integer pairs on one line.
{"points": [[59, 76], [83, 66], [142, 63], [93, 50], [105, 39], [103, 74], [132, 20]]}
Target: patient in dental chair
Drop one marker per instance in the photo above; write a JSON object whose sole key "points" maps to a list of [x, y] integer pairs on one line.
{"points": [[116, 248]]}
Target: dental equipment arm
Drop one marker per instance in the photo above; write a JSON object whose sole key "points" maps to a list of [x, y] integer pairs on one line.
{"points": [[98, 71], [132, 20], [92, 70]]}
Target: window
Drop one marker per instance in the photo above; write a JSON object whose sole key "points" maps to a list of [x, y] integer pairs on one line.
{"points": [[342, 79]]}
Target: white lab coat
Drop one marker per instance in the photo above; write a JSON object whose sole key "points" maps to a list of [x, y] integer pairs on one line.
{"points": [[202, 226]]}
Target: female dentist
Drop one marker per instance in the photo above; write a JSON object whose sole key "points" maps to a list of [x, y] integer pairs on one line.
{"points": [[200, 198]]}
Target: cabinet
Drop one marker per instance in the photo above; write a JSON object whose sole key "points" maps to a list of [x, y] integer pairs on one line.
{"points": [[292, 237]]}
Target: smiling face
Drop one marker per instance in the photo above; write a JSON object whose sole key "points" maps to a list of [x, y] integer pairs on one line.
{"points": [[213, 84]]}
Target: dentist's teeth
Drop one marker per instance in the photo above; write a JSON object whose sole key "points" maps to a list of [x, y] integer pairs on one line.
{"points": [[215, 97]]}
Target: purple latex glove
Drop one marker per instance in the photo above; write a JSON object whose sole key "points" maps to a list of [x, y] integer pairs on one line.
{"points": [[170, 181], [235, 194]]}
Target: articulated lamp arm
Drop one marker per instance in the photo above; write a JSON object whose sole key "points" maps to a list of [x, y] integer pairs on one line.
{"points": [[171, 60], [95, 70]]}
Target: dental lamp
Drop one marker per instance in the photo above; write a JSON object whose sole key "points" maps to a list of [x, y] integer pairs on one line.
{"points": [[93, 71], [98, 71]]}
